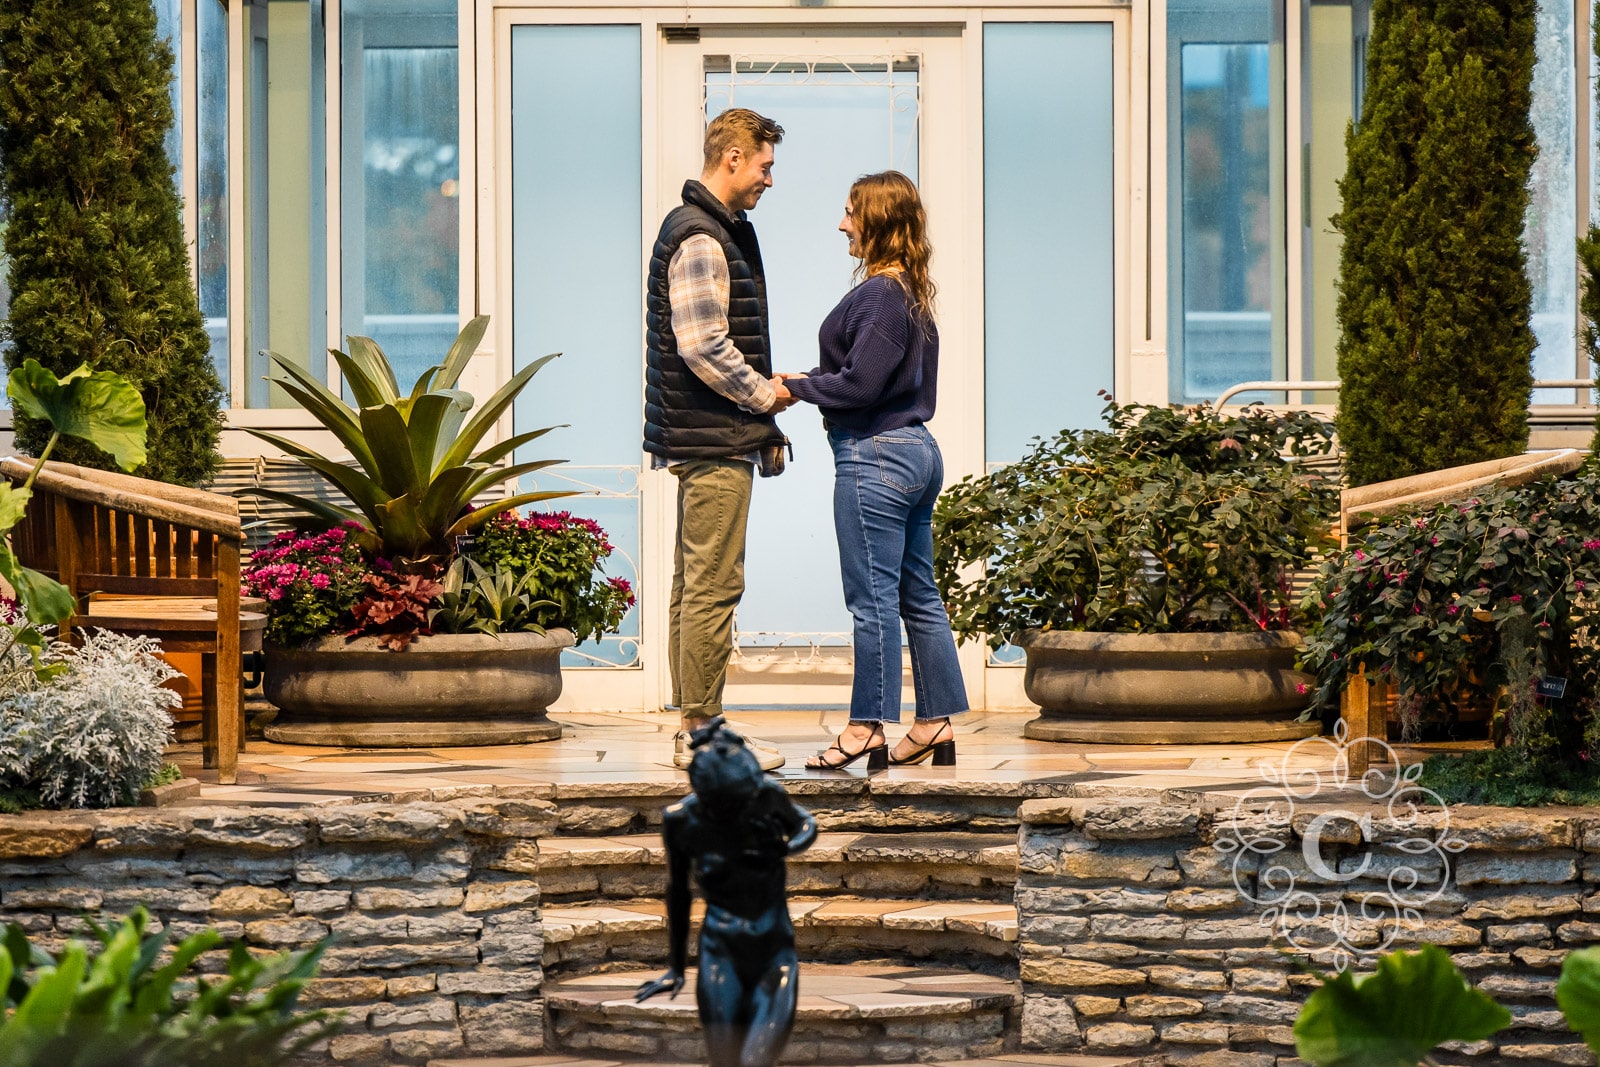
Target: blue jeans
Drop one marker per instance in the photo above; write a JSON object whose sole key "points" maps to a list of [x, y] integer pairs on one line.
{"points": [[883, 493]]}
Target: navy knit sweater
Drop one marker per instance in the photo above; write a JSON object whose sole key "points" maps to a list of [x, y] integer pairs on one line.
{"points": [[879, 369]]}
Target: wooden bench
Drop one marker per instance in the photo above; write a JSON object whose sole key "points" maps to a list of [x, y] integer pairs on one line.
{"points": [[1364, 703], [144, 557]]}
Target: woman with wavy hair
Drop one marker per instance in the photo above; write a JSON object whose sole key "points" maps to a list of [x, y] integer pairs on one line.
{"points": [[876, 386]]}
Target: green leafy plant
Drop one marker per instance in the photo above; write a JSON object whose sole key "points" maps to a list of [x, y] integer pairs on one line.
{"points": [[99, 267], [1463, 602], [415, 473], [1578, 994], [1435, 347], [1395, 1016], [561, 555], [482, 601], [126, 1005], [1166, 521]]}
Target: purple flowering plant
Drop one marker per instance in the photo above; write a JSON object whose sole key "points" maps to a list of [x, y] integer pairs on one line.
{"points": [[310, 582], [559, 557], [1472, 602]]}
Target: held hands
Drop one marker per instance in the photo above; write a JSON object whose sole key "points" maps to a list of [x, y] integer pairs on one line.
{"points": [[672, 980], [785, 399]]}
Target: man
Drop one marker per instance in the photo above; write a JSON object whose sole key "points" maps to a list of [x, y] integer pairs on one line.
{"points": [[709, 403]]}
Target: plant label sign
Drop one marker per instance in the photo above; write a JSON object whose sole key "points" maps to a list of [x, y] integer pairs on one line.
{"points": [[1552, 688]]}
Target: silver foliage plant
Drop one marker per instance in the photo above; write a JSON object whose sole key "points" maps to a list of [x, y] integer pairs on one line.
{"points": [[91, 734]]}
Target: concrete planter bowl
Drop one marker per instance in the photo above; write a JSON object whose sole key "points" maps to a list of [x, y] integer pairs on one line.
{"points": [[1165, 688], [444, 689]]}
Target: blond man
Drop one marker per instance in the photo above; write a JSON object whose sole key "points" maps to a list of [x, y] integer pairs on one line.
{"points": [[710, 401]]}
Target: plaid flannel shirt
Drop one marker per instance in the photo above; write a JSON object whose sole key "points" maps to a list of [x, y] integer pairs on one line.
{"points": [[697, 281]]}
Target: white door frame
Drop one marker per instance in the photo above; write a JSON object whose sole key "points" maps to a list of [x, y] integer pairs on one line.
{"points": [[953, 192]]}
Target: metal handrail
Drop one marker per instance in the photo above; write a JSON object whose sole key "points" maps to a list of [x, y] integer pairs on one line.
{"points": [[1332, 385]]}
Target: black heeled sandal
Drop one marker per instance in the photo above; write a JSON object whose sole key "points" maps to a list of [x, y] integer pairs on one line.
{"points": [[877, 756], [943, 752]]}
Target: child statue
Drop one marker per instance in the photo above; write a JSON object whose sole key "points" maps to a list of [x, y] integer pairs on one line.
{"points": [[735, 829]]}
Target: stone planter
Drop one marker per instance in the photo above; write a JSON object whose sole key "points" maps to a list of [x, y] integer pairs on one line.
{"points": [[444, 689], [1165, 688]]}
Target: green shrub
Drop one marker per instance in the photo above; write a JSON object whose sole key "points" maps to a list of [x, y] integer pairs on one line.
{"points": [[99, 270], [1166, 521], [554, 561], [1455, 602], [1435, 347], [127, 1006]]}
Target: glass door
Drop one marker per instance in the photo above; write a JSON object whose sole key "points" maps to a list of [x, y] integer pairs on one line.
{"points": [[850, 103]]}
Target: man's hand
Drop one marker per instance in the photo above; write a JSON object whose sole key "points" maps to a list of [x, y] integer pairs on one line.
{"points": [[784, 375], [783, 399], [672, 980]]}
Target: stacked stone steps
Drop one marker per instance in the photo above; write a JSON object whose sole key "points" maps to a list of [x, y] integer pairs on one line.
{"points": [[903, 896], [902, 908], [886, 1013], [1029, 1059]]}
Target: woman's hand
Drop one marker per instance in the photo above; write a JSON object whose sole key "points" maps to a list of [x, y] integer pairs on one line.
{"points": [[784, 376]]}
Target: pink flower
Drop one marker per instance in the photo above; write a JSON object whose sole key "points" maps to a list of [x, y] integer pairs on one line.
{"points": [[1592, 544], [1516, 598], [1579, 585], [1452, 610], [1302, 688], [320, 581]]}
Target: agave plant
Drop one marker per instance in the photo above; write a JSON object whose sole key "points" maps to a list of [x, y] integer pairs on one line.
{"points": [[415, 473]]}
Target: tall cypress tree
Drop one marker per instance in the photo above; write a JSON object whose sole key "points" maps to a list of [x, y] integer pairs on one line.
{"points": [[1435, 350], [99, 268]]}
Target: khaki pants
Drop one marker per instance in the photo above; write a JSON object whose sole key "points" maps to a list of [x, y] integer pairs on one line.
{"points": [[707, 579]]}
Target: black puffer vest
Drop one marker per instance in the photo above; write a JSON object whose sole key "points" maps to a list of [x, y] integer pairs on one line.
{"points": [[684, 418]]}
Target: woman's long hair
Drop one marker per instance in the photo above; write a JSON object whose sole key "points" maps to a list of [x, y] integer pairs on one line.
{"points": [[893, 236]]}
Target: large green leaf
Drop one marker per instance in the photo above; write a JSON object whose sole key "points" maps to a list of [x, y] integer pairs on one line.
{"points": [[99, 406], [481, 423], [362, 490], [460, 354], [328, 409], [376, 373], [431, 426], [45, 601], [1395, 1016], [13, 504], [495, 453], [320, 510], [474, 519], [1578, 993], [387, 433]]}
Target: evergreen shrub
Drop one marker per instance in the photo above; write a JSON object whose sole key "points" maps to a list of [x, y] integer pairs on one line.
{"points": [[1435, 347], [99, 270]]}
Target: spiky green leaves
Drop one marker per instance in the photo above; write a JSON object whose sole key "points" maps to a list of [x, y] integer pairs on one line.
{"points": [[414, 471]]}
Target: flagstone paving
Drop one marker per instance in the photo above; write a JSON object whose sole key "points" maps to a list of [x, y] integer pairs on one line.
{"points": [[636, 747]]}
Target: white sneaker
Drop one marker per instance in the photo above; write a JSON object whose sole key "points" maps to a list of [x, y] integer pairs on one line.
{"points": [[766, 753]]}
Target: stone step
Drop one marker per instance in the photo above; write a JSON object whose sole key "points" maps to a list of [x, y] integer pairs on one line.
{"points": [[907, 866], [846, 1014], [1024, 1059], [916, 800], [983, 934]]}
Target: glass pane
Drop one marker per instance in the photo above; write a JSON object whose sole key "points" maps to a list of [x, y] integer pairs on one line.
{"points": [[572, 225], [213, 185], [1330, 65], [841, 119], [1047, 124], [169, 25], [1225, 223], [1552, 229], [400, 170], [289, 160]]}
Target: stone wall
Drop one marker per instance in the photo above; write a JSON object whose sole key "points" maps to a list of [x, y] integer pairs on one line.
{"points": [[433, 908], [1138, 934]]}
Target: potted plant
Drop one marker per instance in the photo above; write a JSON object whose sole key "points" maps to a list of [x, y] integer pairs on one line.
{"points": [[1145, 569], [380, 631], [1477, 608]]}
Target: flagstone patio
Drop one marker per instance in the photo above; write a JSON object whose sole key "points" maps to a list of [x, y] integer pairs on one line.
{"points": [[636, 747]]}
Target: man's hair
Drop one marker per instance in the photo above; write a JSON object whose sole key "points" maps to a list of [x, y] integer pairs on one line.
{"points": [[739, 127]]}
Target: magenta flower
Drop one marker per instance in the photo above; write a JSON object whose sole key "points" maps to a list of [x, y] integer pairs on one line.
{"points": [[1516, 598]]}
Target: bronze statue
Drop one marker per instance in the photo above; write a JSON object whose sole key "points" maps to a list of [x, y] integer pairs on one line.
{"points": [[735, 829]]}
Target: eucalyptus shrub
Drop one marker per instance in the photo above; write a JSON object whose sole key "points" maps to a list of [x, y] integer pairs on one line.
{"points": [[99, 270], [1459, 600], [1435, 347], [1169, 520]]}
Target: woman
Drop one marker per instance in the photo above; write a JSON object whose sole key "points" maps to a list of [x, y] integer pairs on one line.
{"points": [[876, 388]]}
